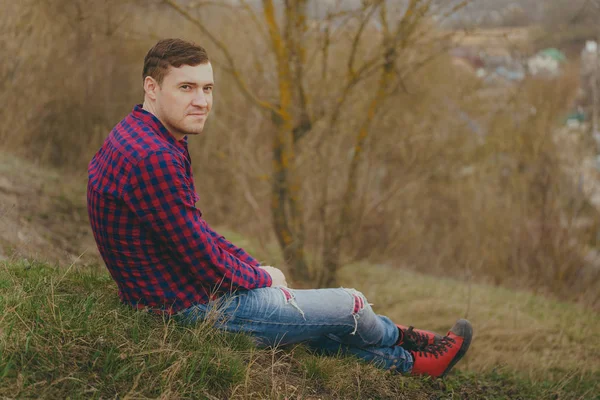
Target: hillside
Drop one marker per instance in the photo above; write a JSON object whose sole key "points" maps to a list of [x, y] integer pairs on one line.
{"points": [[43, 214], [64, 332]]}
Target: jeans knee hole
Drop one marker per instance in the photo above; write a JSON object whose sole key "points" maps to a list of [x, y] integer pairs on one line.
{"points": [[291, 300]]}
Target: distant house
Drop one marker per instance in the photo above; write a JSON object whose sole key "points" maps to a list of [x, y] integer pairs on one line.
{"points": [[466, 56], [546, 63]]}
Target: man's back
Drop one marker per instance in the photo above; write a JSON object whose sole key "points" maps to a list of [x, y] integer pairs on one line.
{"points": [[136, 258], [157, 247]]}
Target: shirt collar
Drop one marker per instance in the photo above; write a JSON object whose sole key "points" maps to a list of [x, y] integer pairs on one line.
{"points": [[150, 119]]}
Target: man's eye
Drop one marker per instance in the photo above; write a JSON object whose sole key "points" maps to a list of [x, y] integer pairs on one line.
{"points": [[208, 89], [185, 87]]}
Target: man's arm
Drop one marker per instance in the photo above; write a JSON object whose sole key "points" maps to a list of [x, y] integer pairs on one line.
{"points": [[233, 249], [160, 194], [277, 277]]}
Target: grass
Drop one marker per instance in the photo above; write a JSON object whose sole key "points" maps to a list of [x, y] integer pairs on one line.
{"points": [[63, 333], [514, 331]]}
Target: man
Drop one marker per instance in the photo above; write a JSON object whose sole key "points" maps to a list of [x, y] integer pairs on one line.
{"points": [[165, 258]]}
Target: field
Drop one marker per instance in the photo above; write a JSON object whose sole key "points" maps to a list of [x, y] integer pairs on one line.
{"points": [[65, 334]]}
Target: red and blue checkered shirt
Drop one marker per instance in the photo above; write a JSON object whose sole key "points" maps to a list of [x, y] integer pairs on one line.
{"points": [[141, 203]]}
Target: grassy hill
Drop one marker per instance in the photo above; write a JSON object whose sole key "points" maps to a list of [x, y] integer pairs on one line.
{"points": [[64, 334]]}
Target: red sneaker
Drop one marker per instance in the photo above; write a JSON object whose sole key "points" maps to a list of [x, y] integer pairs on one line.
{"points": [[415, 339], [437, 359]]}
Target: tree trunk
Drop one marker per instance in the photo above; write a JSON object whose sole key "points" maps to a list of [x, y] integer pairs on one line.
{"points": [[285, 203], [332, 249]]}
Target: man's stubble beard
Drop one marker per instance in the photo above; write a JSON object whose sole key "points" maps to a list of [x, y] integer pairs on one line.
{"points": [[179, 128]]}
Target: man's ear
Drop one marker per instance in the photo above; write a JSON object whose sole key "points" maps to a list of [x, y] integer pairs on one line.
{"points": [[151, 87]]}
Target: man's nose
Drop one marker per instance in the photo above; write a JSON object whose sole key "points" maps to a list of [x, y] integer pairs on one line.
{"points": [[200, 99]]}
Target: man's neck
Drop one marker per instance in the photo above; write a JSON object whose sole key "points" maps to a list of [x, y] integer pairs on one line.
{"points": [[147, 106]]}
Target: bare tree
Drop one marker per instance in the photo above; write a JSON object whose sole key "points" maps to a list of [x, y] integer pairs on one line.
{"points": [[376, 39]]}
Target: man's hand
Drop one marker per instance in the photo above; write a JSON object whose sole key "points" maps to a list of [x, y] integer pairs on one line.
{"points": [[276, 275]]}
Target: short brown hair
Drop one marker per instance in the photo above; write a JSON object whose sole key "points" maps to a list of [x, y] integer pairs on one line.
{"points": [[172, 52]]}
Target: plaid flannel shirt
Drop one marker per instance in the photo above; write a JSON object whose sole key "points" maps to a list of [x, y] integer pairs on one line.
{"points": [[141, 204]]}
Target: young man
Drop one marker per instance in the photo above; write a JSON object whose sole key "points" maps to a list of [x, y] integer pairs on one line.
{"points": [[165, 258]]}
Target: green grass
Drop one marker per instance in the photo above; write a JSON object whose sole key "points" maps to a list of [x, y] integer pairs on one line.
{"points": [[63, 333]]}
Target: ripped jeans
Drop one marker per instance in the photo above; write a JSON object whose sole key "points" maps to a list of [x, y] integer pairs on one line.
{"points": [[331, 321]]}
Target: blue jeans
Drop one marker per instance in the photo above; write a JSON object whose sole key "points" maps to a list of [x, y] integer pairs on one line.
{"points": [[331, 321]]}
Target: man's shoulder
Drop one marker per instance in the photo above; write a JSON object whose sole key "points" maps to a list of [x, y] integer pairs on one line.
{"points": [[137, 140], [129, 143]]}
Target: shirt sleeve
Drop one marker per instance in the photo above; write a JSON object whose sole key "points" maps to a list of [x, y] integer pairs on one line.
{"points": [[232, 249], [162, 197]]}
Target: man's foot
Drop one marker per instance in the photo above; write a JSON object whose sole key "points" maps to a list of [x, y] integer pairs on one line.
{"points": [[415, 339], [437, 359]]}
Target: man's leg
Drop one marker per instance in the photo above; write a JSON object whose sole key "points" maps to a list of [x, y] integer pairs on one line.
{"points": [[331, 320], [392, 358]]}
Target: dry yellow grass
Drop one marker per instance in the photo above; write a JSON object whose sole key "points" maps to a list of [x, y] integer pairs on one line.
{"points": [[513, 330]]}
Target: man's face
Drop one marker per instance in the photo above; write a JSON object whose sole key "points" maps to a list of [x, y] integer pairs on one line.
{"points": [[184, 99]]}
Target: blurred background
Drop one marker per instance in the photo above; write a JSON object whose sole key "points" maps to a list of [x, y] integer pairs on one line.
{"points": [[455, 138]]}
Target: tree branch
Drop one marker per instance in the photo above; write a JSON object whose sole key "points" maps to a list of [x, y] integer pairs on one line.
{"points": [[298, 31], [358, 35], [255, 19]]}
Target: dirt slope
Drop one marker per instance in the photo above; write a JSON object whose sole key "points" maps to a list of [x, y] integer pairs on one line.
{"points": [[43, 214]]}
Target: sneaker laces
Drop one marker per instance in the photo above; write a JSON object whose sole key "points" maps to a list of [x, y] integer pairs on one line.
{"points": [[437, 348], [412, 340]]}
